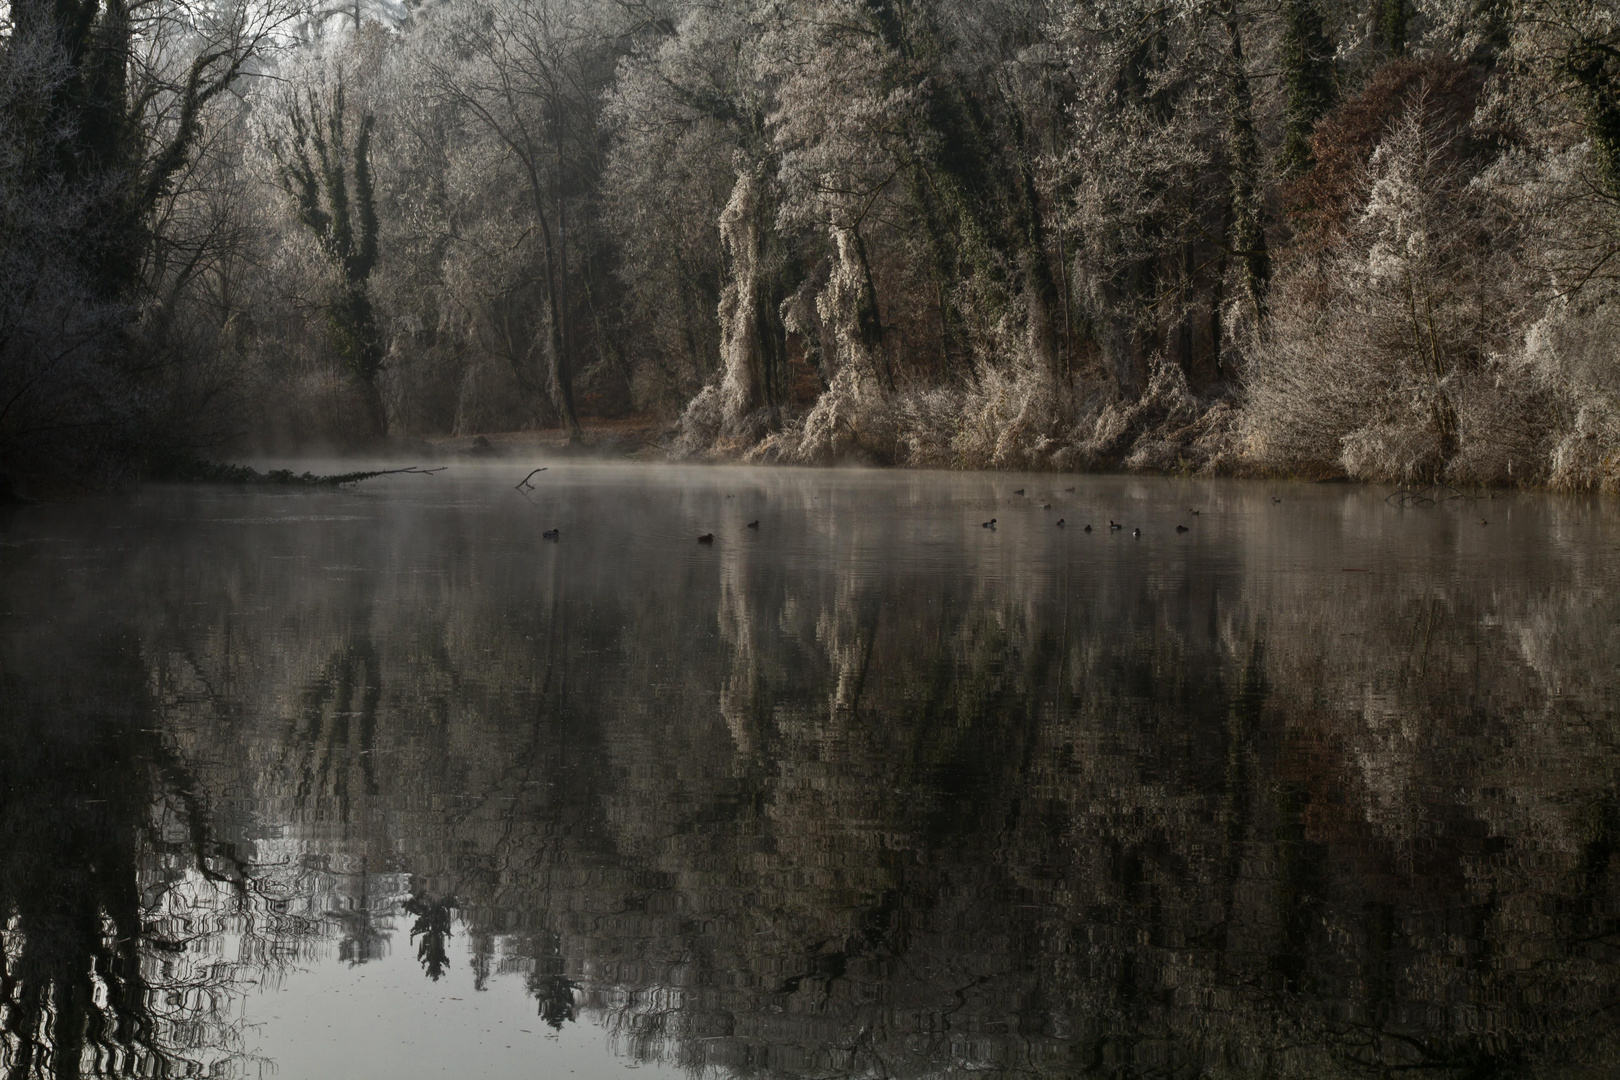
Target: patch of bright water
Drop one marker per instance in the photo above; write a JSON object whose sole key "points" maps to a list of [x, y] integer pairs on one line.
{"points": [[383, 1019]]}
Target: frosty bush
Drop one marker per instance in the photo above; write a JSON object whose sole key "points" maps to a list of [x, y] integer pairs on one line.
{"points": [[1571, 354], [1376, 345], [700, 424], [853, 421]]}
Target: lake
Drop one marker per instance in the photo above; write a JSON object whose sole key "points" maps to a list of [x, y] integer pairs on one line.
{"points": [[379, 782]]}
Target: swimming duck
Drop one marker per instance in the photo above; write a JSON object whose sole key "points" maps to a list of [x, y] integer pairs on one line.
{"points": [[988, 524], [1068, 489], [1020, 491], [706, 538], [1060, 523], [1114, 526], [1088, 528], [551, 534], [1046, 506], [753, 524], [1181, 528], [1136, 533], [1193, 512]]}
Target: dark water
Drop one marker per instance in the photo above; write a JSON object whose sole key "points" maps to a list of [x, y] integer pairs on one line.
{"points": [[379, 783]]}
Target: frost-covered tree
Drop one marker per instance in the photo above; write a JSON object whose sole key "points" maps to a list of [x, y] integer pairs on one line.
{"points": [[529, 76], [329, 182], [1002, 233], [111, 117]]}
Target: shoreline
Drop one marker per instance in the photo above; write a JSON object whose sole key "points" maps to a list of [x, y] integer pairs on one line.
{"points": [[654, 440]]}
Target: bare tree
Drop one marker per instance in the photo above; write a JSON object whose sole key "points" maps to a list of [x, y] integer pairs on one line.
{"points": [[529, 76]]}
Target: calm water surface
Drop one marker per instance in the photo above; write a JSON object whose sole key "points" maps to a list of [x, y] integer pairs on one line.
{"points": [[379, 783]]}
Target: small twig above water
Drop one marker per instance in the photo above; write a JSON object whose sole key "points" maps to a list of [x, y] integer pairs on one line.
{"points": [[524, 483]]}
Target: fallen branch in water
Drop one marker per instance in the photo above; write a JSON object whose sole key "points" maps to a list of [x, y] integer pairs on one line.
{"points": [[1428, 496], [213, 472], [524, 483]]}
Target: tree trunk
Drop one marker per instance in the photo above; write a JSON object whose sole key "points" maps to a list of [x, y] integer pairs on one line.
{"points": [[744, 386], [1243, 161], [562, 370], [1308, 80], [561, 374]]}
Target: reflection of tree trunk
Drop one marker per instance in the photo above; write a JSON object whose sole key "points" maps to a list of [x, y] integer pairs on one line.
{"points": [[1238, 811], [1299, 867], [349, 688], [851, 636], [82, 769], [739, 700]]}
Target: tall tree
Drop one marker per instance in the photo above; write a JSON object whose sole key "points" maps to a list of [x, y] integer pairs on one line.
{"points": [[104, 107], [1309, 80], [330, 184], [531, 76]]}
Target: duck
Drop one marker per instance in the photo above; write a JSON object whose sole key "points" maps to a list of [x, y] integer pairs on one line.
{"points": [[1020, 491], [551, 534], [1088, 528], [1114, 526], [1181, 528], [1276, 499], [1060, 523], [1137, 533], [1482, 521], [754, 524], [1193, 512], [1068, 489], [1046, 506], [706, 538], [988, 524]]}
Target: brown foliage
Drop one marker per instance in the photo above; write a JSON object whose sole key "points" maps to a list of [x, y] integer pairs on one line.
{"points": [[1319, 203]]}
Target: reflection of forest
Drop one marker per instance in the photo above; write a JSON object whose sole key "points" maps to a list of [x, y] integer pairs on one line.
{"points": [[798, 819]]}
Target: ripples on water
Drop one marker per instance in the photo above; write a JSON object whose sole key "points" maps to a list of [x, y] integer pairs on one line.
{"points": [[376, 782]]}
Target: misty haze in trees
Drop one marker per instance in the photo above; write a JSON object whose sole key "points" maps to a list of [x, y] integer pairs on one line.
{"points": [[1310, 238]]}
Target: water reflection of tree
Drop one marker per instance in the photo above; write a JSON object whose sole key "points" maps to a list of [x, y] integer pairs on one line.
{"points": [[826, 822], [434, 919], [99, 823]]}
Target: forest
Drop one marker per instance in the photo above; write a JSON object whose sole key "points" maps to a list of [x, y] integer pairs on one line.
{"points": [[1371, 240]]}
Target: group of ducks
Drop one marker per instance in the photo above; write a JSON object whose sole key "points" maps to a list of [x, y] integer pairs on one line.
{"points": [[1113, 526]]}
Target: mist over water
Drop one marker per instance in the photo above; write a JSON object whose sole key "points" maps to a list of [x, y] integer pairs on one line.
{"points": [[380, 782]]}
